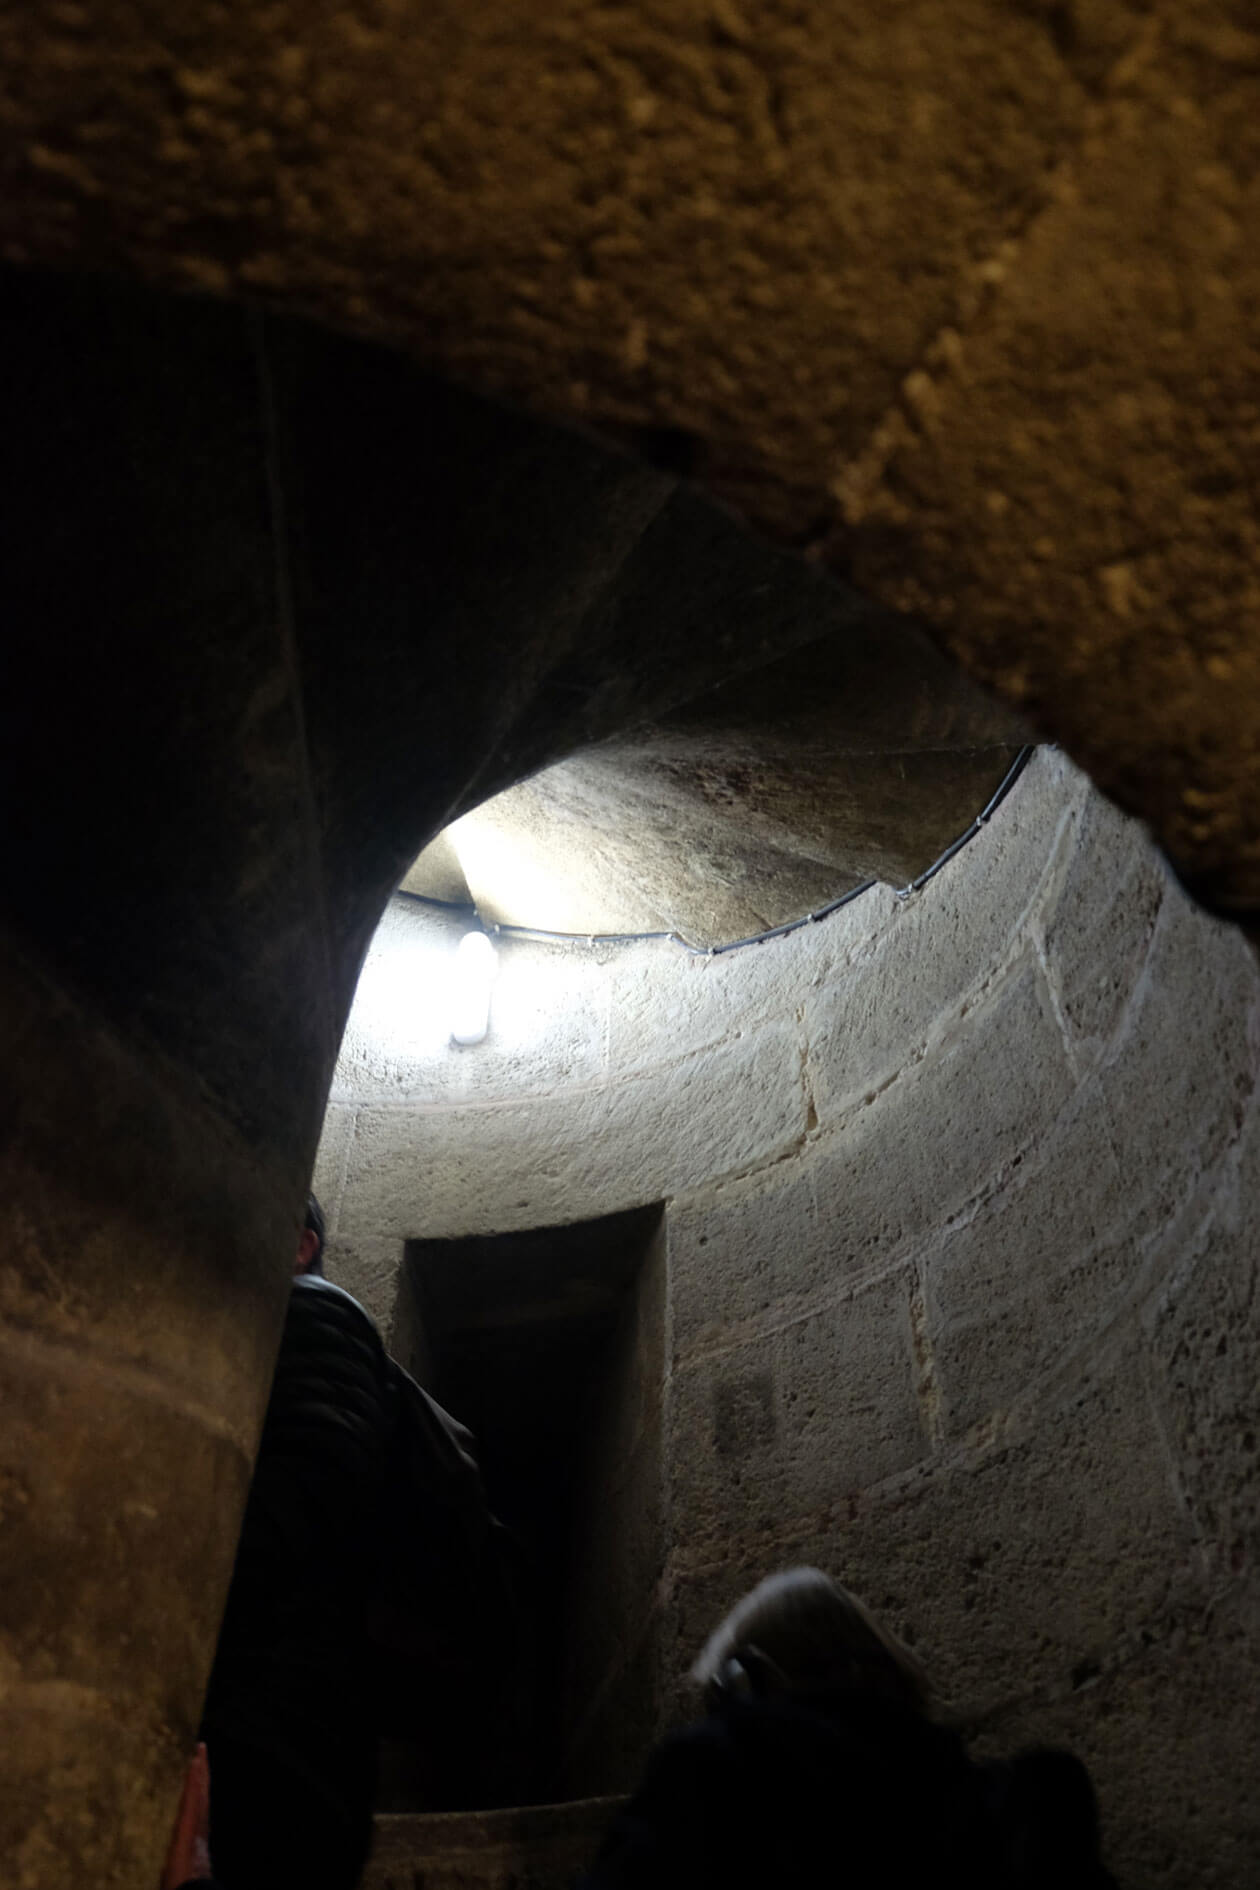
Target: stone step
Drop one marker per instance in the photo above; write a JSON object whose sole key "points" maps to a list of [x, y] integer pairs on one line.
{"points": [[530, 1847]]}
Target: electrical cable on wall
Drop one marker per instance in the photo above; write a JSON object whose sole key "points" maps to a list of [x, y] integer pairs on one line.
{"points": [[540, 934]]}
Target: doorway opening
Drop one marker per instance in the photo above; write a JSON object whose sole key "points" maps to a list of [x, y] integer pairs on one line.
{"points": [[549, 1345]]}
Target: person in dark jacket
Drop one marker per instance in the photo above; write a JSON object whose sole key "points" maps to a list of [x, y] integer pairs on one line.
{"points": [[289, 1720], [818, 1762]]}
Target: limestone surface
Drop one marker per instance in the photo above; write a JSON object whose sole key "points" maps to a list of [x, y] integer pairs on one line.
{"points": [[959, 1294], [961, 297]]}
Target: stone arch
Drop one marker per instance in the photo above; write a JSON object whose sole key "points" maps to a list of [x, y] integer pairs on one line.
{"points": [[839, 276]]}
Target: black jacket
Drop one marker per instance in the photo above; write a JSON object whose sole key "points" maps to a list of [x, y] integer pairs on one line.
{"points": [[290, 1672], [772, 1794]]}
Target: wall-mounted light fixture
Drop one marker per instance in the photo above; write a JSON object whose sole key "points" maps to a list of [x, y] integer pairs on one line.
{"points": [[475, 966]]}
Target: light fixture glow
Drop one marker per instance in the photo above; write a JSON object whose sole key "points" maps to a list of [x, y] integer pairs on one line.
{"points": [[475, 966]]}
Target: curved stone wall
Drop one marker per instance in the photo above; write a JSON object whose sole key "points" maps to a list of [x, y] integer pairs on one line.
{"points": [[961, 1279]]}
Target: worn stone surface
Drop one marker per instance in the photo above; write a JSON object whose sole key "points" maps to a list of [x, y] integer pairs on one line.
{"points": [[566, 1157], [853, 759], [1059, 412], [1015, 1285], [848, 1428], [1194, 1055], [709, 999], [875, 1004], [1097, 936], [615, 270], [545, 1846], [328, 1175], [142, 1295], [739, 1249], [976, 1330], [1175, 1783], [962, 1113], [1000, 365], [1202, 1338], [269, 604], [1007, 1570], [813, 1407]]}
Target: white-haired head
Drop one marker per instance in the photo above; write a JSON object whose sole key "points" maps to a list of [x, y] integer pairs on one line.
{"points": [[801, 1632]]}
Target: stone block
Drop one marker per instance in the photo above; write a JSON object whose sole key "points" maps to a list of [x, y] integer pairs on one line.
{"points": [[496, 1167], [989, 891], [727, 1476], [871, 1205], [1014, 1568], [1038, 1269], [875, 1014], [794, 1420], [989, 1364], [369, 1267], [1204, 1338], [667, 1004], [945, 1132], [548, 1017], [849, 1409], [1182, 1067], [879, 1011], [744, 1416], [1100, 926], [1246, 1204], [328, 1177], [1174, 1768], [736, 1251], [875, 1010]]}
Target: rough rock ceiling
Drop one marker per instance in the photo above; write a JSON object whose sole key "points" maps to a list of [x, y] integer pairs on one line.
{"points": [[860, 756], [959, 294], [475, 596]]}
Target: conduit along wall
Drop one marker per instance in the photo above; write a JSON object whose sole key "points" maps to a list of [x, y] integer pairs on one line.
{"points": [[955, 1283]]}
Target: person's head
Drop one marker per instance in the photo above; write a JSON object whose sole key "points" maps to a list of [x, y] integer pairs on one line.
{"points": [[800, 1632], [310, 1248]]}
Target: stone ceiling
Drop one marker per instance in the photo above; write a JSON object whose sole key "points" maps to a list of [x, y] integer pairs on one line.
{"points": [[860, 756], [962, 297]]}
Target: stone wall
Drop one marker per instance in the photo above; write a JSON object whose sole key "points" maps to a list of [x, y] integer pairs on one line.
{"points": [[961, 1288]]}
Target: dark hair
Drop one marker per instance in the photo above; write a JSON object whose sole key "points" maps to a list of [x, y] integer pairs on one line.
{"points": [[315, 1220]]}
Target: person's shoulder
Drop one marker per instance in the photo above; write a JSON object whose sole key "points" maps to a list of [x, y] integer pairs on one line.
{"points": [[314, 1289], [319, 1304]]}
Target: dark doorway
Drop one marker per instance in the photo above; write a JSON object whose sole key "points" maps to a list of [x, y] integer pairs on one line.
{"points": [[549, 1345]]}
